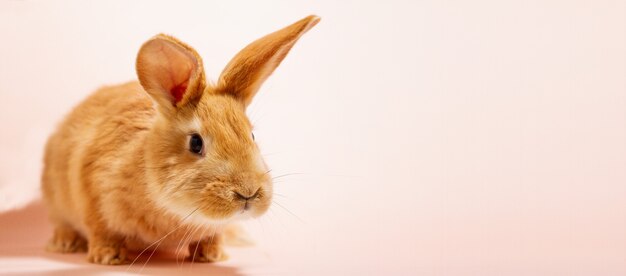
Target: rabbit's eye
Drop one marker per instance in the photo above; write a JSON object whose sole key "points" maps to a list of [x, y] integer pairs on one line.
{"points": [[196, 144], [253, 136]]}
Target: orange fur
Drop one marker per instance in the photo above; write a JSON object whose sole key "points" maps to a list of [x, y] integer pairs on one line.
{"points": [[118, 173]]}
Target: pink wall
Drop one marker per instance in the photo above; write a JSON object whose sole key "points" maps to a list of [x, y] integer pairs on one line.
{"points": [[439, 138]]}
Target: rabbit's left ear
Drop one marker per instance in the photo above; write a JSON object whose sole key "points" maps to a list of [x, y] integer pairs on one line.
{"points": [[171, 72], [246, 72]]}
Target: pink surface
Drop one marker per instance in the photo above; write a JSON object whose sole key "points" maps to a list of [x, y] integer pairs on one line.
{"points": [[21, 253], [428, 137], [502, 248]]}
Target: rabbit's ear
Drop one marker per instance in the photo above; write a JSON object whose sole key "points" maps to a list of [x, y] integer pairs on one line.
{"points": [[247, 71], [170, 71]]}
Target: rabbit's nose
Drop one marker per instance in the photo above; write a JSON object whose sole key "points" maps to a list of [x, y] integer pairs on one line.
{"points": [[247, 196]]}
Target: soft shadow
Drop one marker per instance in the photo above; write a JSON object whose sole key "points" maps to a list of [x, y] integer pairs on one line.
{"points": [[27, 226], [24, 232]]}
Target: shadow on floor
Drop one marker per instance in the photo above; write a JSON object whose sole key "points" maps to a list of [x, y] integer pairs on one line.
{"points": [[24, 232]]}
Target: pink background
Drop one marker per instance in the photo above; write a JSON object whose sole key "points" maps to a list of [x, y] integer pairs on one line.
{"points": [[430, 137]]}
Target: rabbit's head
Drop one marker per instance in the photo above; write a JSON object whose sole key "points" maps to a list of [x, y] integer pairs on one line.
{"points": [[201, 157]]}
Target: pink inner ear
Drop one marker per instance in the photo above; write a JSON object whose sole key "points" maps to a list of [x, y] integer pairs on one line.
{"points": [[178, 92], [166, 70]]}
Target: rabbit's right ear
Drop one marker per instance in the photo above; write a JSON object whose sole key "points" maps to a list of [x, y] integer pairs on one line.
{"points": [[171, 72], [246, 72]]}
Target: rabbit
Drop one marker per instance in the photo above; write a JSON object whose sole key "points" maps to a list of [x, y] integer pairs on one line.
{"points": [[169, 159]]}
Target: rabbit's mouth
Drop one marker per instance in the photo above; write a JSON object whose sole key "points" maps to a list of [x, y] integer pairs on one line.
{"points": [[241, 207]]}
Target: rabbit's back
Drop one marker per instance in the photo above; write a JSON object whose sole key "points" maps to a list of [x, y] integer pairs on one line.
{"points": [[89, 146]]}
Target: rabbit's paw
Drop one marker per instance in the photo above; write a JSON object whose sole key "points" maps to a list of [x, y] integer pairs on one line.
{"points": [[66, 240], [207, 251], [107, 254]]}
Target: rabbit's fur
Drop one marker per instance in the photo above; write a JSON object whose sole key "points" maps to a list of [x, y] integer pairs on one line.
{"points": [[119, 173]]}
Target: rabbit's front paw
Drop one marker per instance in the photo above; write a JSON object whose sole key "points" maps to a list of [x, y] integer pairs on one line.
{"points": [[66, 240], [207, 251], [107, 254]]}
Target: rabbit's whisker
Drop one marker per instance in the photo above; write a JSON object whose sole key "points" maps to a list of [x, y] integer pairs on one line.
{"points": [[195, 251], [275, 193], [294, 215], [186, 242], [162, 238], [285, 175], [180, 243]]}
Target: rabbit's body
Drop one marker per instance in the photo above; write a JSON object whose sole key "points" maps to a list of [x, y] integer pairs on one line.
{"points": [[95, 159], [165, 162]]}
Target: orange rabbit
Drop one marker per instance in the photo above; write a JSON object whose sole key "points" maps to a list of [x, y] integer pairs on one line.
{"points": [[148, 162]]}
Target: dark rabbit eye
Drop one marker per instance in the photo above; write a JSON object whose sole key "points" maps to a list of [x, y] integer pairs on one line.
{"points": [[196, 144], [253, 136]]}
